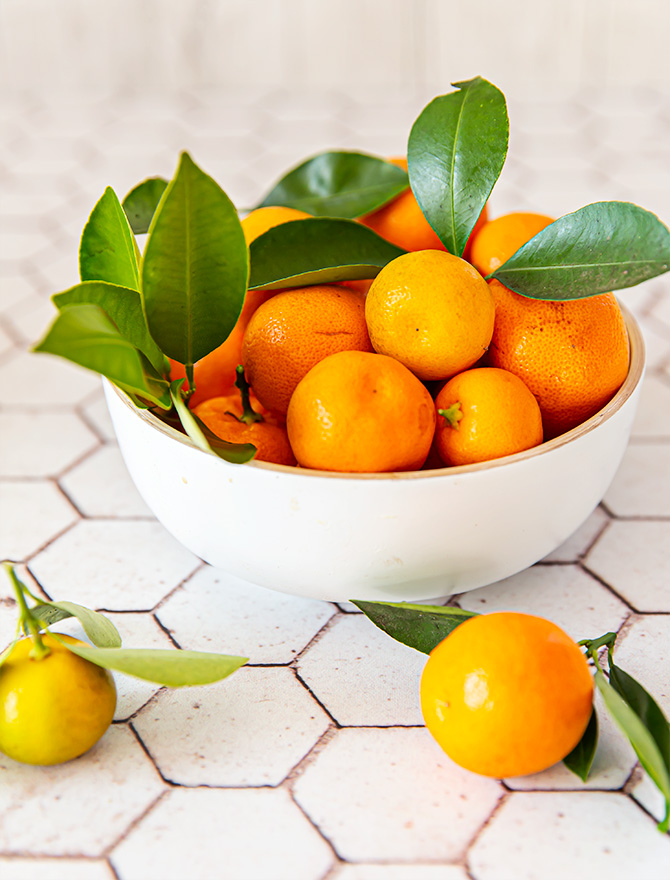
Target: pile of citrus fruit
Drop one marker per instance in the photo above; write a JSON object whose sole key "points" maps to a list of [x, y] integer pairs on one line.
{"points": [[381, 319], [427, 363]]}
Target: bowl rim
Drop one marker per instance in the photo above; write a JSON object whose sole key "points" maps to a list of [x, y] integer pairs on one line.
{"points": [[635, 372]]}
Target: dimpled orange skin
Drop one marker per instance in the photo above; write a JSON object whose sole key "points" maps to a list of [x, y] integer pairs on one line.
{"points": [[358, 412], [431, 311], [495, 242], [499, 417], [507, 694], [222, 416], [401, 221], [572, 355], [293, 331], [215, 373], [55, 709]]}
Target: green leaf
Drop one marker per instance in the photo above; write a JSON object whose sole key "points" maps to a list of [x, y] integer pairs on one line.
{"points": [[339, 184], [640, 738], [100, 630], [580, 759], [456, 151], [141, 202], [203, 437], [317, 251], [601, 247], [124, 307], [195, 267], [108, 251], [48, 615], [645, 707], [85, 335], [422, 627], [172, 668]]}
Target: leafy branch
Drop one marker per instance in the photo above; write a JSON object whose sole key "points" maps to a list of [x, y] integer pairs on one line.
{"points": [[173, 668], [634, 710]]}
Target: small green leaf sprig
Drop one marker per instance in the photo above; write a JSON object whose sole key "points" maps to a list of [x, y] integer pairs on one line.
{"points": [[179, 299], [633, 709], [172, 668]]}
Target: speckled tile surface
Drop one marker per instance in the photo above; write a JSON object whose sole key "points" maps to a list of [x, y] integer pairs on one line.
{"points": [[312, 762]]}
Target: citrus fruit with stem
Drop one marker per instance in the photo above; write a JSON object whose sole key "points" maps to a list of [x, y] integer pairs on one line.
{"points": [[431, 311], [495, 242], [214, 375], [507, 694], [233, 418], [55, 708], [484, 414], [402, 222], [293, 331], [573, 355], [361, 412]]}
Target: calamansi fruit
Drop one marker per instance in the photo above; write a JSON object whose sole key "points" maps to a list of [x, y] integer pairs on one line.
{"points": [[572, 355], [484, 414], [360, 412], [55, 708], [432, 312], [507, 694]]}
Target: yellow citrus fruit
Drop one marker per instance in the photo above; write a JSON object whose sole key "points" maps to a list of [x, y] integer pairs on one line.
{"points": [[431, 311], [507, 694], [215, 373], [53, 709], [495, 242], [572, 355], [360, 412], [484, 414], [293, 331]]}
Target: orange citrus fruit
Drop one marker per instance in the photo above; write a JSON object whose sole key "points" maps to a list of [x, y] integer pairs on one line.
{"points": [[293, 331], [223, 416], [214, 374], [507, 694], [401, 221], [572, 355], [484, 414], [262, 219], [431, 311], [54, 709], [495, 242], [361, 412]]}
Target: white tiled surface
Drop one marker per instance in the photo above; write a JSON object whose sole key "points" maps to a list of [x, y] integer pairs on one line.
{"points": [[311, 762]]}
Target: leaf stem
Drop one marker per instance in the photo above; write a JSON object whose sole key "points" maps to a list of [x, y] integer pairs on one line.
{"points": [[249, 414], [39, 650], [593, 645], [190, 378]]}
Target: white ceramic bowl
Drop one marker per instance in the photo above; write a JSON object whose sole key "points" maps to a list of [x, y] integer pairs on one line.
{"points": [[395, 537]]}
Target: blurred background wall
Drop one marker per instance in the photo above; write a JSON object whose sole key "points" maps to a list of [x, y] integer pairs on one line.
{"points": [[338, 44]]}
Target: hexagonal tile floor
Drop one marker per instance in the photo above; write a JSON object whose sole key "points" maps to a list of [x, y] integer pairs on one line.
{"points": [[311, 762]]}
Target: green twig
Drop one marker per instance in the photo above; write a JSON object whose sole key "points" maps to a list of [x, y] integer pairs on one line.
{"points": [[31, 625], [249, 414], [190, 378]]}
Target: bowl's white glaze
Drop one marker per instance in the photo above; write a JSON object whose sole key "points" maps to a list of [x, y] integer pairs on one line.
{"points": [[396, 537]]}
